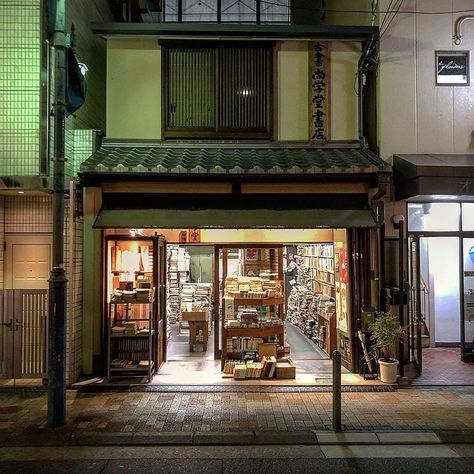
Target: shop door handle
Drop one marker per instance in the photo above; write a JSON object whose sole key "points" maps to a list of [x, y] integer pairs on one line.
{"points": [[10, 324], [18, 325]]}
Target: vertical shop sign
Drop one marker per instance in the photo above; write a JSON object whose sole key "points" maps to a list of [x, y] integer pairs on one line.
{"points": [[319, 91]]}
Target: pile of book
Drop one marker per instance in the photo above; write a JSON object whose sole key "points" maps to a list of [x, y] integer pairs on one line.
{"points": [[117, 330], [268, 367], [254, 370], [122, 364], [144, 295], [130, 327], [232, 284], [238, 344], [229, 367]]}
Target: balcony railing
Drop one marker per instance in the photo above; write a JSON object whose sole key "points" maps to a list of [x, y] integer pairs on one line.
{"points": [[204, 11]]}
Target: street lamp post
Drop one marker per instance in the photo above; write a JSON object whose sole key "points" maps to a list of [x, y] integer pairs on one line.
{"points": [[57, 280]]}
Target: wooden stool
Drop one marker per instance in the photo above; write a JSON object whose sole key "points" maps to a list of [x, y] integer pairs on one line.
{"points": [[194, 328]]}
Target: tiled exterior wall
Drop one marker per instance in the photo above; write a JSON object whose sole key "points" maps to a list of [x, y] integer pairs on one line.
{"points": [[33, 215], [91, 50], [28, 214], [20, 86]]}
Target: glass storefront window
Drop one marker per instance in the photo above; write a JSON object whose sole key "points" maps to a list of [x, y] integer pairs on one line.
{"points": [[468, 258], [434, 216], [468, 216]]}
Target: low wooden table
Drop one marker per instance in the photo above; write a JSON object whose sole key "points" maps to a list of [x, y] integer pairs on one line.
{"points": [[198, 320]]}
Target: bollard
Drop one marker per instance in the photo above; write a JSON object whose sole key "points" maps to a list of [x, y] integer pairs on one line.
{"points": [[336, 391]]}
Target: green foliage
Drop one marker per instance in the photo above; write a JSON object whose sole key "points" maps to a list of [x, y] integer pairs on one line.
{"points": [[386, 331]]}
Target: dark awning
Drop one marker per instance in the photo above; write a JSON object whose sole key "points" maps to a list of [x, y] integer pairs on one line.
{"points": [[421, 177], [233, 218]]}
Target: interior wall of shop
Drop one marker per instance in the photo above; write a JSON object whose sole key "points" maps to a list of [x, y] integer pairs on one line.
{"points": [[414, 115], [201, 267], [238, 236], [134, 90]]}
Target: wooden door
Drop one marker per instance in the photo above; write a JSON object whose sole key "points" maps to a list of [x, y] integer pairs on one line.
{"points": [[162, 339], [27, 261]]}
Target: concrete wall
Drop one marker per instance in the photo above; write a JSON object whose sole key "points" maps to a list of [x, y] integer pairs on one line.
{"points": [[134, 90], [415, 116]]}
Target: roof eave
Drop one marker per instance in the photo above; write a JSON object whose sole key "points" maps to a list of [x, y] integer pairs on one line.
{"points": [[235, 31]]}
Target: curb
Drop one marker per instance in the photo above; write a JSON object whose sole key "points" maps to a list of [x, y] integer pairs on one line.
{"points": [[238, 438]]}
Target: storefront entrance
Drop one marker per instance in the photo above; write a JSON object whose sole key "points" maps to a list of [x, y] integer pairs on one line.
{"points": [[442, 284], [232, 310]]}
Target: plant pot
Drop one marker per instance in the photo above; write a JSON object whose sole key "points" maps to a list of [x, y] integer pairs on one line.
{"points": [[388, 371]]}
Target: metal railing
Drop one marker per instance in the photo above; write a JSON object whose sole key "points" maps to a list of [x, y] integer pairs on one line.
{"points": [[212, 11]]}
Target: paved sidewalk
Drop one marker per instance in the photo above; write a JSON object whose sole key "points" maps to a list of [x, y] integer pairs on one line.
{"points": [[151, 412]]}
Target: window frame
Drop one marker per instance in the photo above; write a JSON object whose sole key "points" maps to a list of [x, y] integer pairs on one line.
{"points": [[217, 133]]}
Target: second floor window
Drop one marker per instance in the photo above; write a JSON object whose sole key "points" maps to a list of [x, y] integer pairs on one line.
{"points": [[222, 91]]}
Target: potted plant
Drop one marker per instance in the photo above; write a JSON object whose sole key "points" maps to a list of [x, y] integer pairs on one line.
{"points": [[386, 331]]}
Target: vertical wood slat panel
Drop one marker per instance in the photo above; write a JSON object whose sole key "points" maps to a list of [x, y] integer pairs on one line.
{"points": [[33, 338], [190, 87], [244, 88]]}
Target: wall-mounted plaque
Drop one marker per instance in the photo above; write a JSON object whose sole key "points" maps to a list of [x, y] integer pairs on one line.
{"points": [[319, 91], [452, 68]]}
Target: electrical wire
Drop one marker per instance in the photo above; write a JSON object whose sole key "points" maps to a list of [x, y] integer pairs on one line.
{"points": [[386, 16], [382, 33], [332, 10]]}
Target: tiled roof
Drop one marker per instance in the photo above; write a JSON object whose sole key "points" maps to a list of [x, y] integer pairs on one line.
{"points": [[227, 160]]}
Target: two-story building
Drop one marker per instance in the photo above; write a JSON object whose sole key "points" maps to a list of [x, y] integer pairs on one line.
{"points": [[237, 136]]}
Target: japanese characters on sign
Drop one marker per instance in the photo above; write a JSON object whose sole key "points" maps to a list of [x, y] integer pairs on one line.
{"points": [[319, 92]]}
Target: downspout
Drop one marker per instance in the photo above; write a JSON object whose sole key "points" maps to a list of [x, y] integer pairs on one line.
{"points": [[360, 89], [457, 37]]}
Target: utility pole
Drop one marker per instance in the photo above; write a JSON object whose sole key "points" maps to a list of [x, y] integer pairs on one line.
{"points": [[57, 280]]}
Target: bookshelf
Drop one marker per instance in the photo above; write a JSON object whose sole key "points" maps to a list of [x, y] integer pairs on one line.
{"points": [[263, 332], [131, 338]]}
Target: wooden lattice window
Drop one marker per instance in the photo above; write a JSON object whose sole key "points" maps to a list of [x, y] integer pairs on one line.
{"points": [[222, 91]]}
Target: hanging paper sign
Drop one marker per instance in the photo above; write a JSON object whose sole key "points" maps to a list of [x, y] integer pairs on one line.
{"points": [[319, 91], [343, 270]]}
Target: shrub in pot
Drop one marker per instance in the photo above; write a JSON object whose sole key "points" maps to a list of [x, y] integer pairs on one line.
{"points": [[386, 331]]}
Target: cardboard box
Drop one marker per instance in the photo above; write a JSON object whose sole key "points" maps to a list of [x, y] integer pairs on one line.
{"points": [[285, 369], [267, 349], [195, 315]]}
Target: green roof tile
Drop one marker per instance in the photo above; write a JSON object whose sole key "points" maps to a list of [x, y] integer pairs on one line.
{"points": [[239, 160]]}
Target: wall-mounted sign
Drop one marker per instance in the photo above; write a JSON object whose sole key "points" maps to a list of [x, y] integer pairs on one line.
{"points": [[319, 91], [452, 68]]}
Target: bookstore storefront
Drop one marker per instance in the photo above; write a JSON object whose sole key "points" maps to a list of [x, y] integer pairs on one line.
{"points": [[213, 281]]}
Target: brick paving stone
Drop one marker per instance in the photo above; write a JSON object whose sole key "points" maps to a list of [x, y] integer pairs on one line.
{"points": [[414, 408]]}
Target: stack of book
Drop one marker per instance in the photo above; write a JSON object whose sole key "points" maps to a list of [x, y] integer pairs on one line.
{"points": [[268, 367], [254, 370], [130, 327], [229, 367], [240, 371]]}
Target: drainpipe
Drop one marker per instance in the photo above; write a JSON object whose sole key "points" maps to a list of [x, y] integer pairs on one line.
{"points": [[457, 37], [360, 89]]}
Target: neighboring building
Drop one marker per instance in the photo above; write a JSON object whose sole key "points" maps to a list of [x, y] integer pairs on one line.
{"points": [[25, 171], [425, 129]]}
